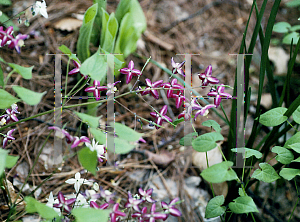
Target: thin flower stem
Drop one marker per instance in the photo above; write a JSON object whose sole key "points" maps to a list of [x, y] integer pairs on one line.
{"points": [[243, 169], [66, 84], [141, 73]]}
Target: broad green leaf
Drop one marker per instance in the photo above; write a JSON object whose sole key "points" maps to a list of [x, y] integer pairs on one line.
{"points": [[273, 117], [219, 173], [11, 161], [241, 192], [99, 135], [126, 133], [33, 206], [3, 157], [8, 22], [93, 215], [289, 173], [1, 77], [213, 124], [293, 3], [293, 140], [88, 159], [296, 115], [284, 155], [25, 72], [98, 22], [281, 27], [85, 33], [247, 152], [213, 208], [110, 33], [206, 141], [297, 160], [266, 173], [295, 28], [5, 2], [288, 38], [188, 139], [117, 63], [121, 146], [6, 99], [92, 121], [29, 97], [243, 205], [68, 52], [94, 66]]}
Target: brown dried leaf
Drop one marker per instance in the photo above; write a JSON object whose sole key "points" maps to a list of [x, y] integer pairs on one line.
{"points": [[164, 158], [69, 24]]}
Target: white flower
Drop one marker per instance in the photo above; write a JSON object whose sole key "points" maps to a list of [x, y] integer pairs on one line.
{"points": [[99, 148], [40, 8], [2, 121], [77, 182], [52, 201], [80, 200]]}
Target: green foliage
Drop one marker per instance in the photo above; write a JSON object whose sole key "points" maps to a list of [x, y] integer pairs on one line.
{"points": [[3, 156], [219, 173], [29, 97], [284, 155], [93, 215], [213, 208], [294, 139], [96, 32], [273, 117], [206, 141], [33, 206], [291, 36], [11, 161], [1, 77], [85, 33], [25, 72], [247, 152], [68, 52], [6, 99], [289, 173], [188, 139], [4, 19], [92, 121], [288, 31], [266, 173], [243, 204], [213, 124], [295, 147], [88, 159], [99, 135], [126, 133], [282, 27], [5, 2], [109, 31], [296, 115], [293, 3]]}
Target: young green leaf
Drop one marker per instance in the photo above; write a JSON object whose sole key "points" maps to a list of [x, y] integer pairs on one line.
{"points": [[281, 27], [219, 173], [284, 155], [266, 173], [85, 33], [68, 52], [99, 135], [25, 72], [289, 173], [32, 206], [296, 115], [289, 37], [6, 99], [29, 97], [293, 140], [11, 161], [92, 121], [213, 208], [243, 205], [247, 152], [3, 156], [206, 141], [295, 28], [88, 159], [188, 139], [109, 32], [98, 22], [93, 215], [213, 124], [273, 117], [95, 66], [293, 3], [126, 133]]}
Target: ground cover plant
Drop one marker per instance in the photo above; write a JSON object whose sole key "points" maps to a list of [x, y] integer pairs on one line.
{"points": [[111, 134]]}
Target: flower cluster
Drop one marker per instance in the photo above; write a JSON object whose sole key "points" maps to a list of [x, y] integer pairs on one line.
{"points": [[7, 38], [10, 115]]}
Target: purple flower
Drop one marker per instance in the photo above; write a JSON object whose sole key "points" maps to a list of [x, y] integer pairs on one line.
{"points": [[116, 213], [146, 195], [61, 133], [218, 94], [91, 195], [111, 88], [187, 111], [6, 37], [155, 215], [107, 195], [203, 111], [93, 204], [96, 89], [8, 137], [177, 67], [161, 117], [63, 203], [77, 69], [130, 72], [179, 99], [10, 114], [206, 77], [151, 86], [172, 85], [132, 202], [140, 215], [170, 208], [17, 42], [79, 141]]}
